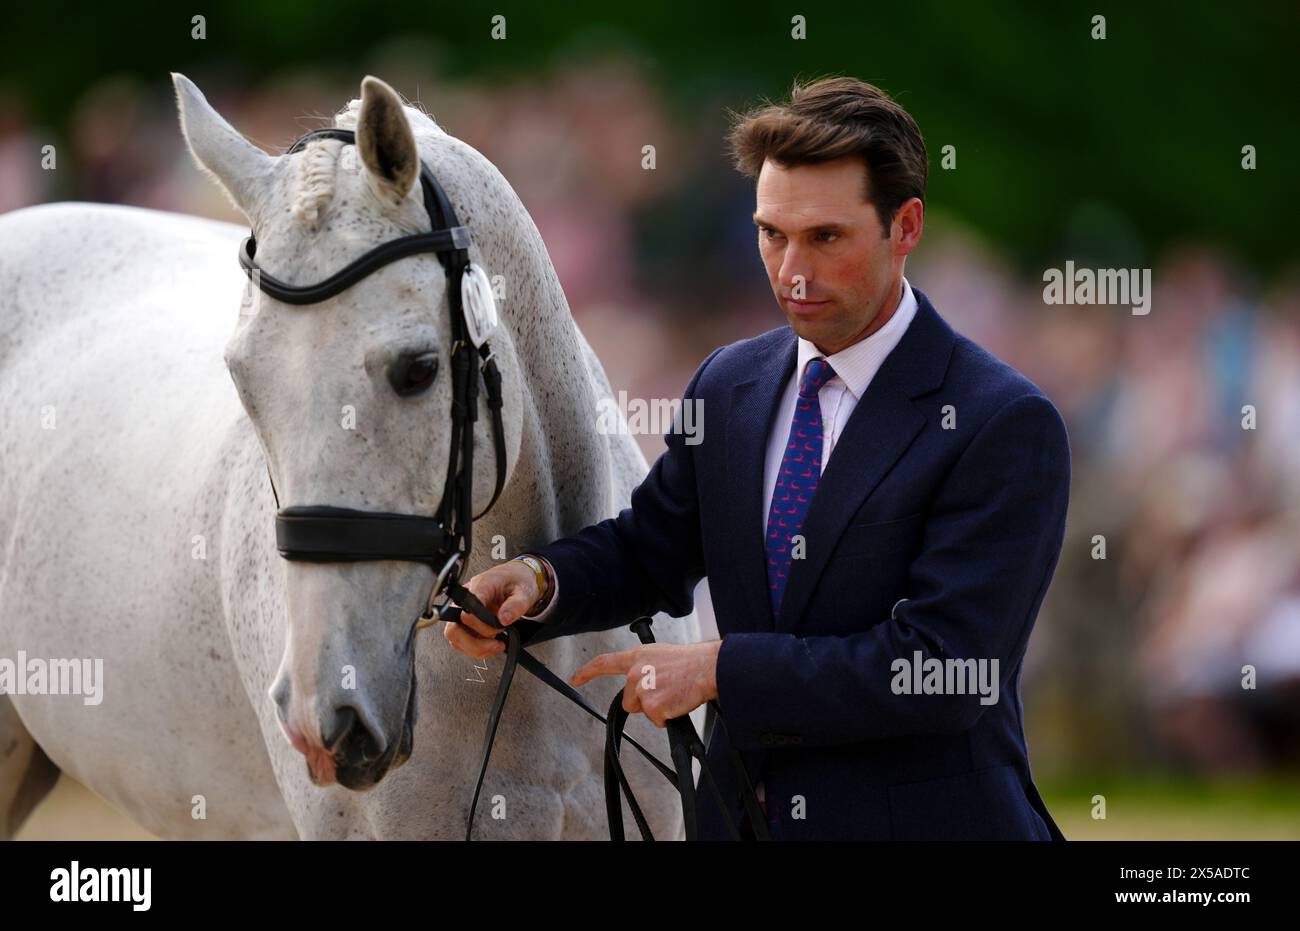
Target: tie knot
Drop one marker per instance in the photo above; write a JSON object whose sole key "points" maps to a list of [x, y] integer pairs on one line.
{"points": [[817, 373]]}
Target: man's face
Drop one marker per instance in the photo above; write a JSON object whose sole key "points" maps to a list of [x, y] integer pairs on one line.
{"points": [[815, 227]]}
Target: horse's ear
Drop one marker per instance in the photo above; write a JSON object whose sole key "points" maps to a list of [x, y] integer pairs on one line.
{"points": [[385, 141], [240, 167]]}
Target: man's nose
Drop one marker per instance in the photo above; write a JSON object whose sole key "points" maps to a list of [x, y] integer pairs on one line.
{"points": [[795, 268]]}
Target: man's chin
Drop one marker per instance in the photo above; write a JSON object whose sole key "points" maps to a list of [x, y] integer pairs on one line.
{"points": [[815, 331]]}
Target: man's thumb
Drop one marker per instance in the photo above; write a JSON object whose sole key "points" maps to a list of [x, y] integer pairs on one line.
{"points": [[514, 606]]}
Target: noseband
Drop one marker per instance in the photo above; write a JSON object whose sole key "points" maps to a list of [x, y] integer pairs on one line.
{"points": [[321, 534]]}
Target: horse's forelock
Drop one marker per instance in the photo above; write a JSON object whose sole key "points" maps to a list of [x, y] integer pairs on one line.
{"points": [[320, 162], [315, 180]]}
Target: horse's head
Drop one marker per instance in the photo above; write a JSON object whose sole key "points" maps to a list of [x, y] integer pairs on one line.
{"points": [[351, 397]]}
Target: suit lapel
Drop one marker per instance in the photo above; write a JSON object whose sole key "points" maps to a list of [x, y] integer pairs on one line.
{"points": [[879, 431], [749, 422]]}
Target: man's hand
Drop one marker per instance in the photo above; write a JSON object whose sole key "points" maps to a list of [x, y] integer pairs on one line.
{"points": [[508, 591], [664, 680]]}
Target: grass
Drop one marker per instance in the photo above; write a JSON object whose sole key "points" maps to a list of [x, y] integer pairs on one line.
{"points": [[1160, 807], [1151, 807]]}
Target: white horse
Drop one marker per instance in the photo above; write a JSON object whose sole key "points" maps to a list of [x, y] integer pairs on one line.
{"points": [[137, 519]]}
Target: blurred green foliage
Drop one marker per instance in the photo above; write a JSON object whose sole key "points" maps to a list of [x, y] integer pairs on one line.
{"points": [[1063, 142]]}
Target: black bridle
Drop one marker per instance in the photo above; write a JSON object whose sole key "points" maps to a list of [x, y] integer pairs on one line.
{"points": [[320, 533]]}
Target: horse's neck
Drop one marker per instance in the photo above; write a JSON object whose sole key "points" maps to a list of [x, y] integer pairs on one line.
{"points": [[560, 447]]}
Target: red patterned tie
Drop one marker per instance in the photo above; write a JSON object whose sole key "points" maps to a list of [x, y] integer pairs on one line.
{"points": [[801, 467]]}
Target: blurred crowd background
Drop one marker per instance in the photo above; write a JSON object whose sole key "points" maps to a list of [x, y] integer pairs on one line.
{"points": [[1122, 152]]}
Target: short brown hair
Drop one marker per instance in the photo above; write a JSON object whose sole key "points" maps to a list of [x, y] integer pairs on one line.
{"points": [[830, 118]]}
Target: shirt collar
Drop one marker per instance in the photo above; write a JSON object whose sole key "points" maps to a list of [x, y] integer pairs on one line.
{"points": [[856, 365]]}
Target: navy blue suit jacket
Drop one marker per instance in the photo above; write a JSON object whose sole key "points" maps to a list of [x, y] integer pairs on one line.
{"points": [[919, 539]]}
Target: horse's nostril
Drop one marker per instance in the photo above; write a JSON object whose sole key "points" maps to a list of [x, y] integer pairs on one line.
{"points": [[344, 719], [349, 739], [280, 692]]}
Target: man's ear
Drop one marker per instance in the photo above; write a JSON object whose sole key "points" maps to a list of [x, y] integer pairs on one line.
{"points": [[241, 168], [385, 142], [910, 221]]}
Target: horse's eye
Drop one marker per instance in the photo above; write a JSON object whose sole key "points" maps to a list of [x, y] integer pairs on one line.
{"points": [[412, 374]]}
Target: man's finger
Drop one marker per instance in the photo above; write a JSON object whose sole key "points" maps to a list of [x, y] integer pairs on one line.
{"points": [[487, 597], [606, 664], [463, 641], [631, 697], [471, 622]]}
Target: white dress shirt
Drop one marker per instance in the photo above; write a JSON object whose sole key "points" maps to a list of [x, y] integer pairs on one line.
{"points": [[854, 368]]}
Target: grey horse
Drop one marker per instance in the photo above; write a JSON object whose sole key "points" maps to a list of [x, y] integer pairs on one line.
{"points": [[138, 520]]}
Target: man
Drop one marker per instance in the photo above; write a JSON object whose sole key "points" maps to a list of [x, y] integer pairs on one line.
{"points": [[879, 508]]}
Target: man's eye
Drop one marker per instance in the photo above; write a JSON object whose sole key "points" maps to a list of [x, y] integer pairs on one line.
{"points": [[825, 233], [768, 233]]}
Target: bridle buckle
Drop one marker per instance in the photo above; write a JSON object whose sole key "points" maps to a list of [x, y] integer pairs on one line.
{"points": [[450, 574]]}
